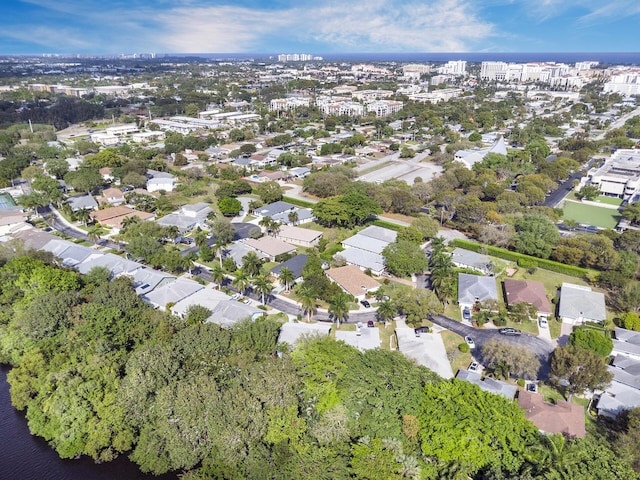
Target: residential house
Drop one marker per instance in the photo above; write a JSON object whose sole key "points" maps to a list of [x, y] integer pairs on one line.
{"points": [[624, 391], [579, 304], [295, 264], [188, 217], [10, 218], [364, 249], [470, 157], [274, 154], [299, 172], [363, 338], [82, 202], [238, 250], [476, 261], [520, 291], [292, 332], [566, 418], [269, 247], [70, 254], [225, 311], [116, 265], [113, 196], [304, 215], [627, 342], [298, 236], [363, 259], [107, 174], [427, 350], [171, 293], [353, 280], [488, 384], [275, 208], [114, 216], [160, 181], [473, 289], [147, 279]]}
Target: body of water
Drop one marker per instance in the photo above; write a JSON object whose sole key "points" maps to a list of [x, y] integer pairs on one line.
{"points": [[25, 457]]}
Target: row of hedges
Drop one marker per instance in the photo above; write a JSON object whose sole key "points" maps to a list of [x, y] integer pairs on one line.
{"points": [[525, 261], [298, 202], [385, 224]]}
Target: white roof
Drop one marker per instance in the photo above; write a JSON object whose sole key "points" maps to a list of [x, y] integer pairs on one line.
{"points": [[293, 332], [172, 292]]}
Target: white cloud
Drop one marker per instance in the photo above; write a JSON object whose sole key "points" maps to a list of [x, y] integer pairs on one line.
{"points": [[359, 25]]}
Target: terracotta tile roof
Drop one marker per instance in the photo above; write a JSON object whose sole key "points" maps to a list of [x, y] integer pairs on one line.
{"points": [[352, 280], [113, 216], [564, 417], [521, 291]]}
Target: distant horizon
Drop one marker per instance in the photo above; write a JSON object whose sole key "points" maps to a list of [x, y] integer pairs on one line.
{"points": [[622, 58]]}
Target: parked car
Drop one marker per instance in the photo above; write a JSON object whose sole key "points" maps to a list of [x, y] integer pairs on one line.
{"points": [[543, 322], [509, 331], [370, 324], [466, 313], [474, 367], [420, 330], [532, 387], [365, 303], [470, 341]]}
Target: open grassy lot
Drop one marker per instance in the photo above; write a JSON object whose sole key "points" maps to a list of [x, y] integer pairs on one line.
{"points": [[590, 215]]}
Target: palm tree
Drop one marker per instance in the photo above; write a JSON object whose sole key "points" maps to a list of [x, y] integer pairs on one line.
{"points": [[173, 232], [386, 311], [217, 274], [128, 221], [94, 232], [293, 217], [83, 215], [308, 302], [263, 286], [286, 277], [553, 457], [251, 264], [218, 248], [241, 281], [339, 308]]}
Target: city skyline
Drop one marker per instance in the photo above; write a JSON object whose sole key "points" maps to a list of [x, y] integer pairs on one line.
{"points": [[323, 26]]}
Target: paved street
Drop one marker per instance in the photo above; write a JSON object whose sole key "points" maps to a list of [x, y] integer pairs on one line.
{"points": [[540, 347]]}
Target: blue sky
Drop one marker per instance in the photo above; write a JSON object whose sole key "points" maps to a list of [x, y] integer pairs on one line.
{"points": [[318, 26]]}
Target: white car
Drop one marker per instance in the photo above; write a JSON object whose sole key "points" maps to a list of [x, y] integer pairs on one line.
{"points": [[470, 342], [474, 367], [543, 322]]}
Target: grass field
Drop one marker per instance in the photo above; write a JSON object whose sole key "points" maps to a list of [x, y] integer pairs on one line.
{"points": [[590, 215]]}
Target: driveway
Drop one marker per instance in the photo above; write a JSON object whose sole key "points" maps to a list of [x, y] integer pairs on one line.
{"points": [[538, 346]]}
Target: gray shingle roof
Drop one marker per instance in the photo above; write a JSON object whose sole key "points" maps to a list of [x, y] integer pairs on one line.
{"points": [[581, 302], [488, 384], [472, 288]]}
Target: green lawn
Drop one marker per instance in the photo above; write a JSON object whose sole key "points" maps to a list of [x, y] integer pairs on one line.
{"points": [[590, 215], [456, 357]]}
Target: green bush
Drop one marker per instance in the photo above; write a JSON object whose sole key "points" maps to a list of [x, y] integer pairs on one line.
{"points": [[520, 382], [591, 339], [463, 347], [499, 321]]}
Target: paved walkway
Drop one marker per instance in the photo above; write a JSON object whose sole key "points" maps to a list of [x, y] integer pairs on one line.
{"points": [[595, 204]]}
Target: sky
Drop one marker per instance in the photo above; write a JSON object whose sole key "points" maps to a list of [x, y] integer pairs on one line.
{"points": [[317, 26]]}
